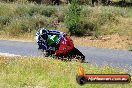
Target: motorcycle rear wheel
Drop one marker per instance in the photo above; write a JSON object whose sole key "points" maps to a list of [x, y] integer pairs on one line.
{"points": [[76, 54]]}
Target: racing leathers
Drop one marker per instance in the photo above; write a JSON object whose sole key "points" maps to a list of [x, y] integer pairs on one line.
{"points": [[41, 38]]}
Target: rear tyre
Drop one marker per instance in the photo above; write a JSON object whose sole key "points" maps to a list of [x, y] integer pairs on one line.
{"points": [[75, 53]]}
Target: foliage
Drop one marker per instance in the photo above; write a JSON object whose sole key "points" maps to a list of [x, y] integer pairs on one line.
{"points": [[4, 20], [93, 21], [48, 12], [72, 18]]}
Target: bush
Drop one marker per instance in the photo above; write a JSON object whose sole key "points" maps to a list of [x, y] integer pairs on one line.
{"points": [[73, 17], [105, 18], [18, 27], [6, 10], [14, 29], [33, 10], [25, 24], [4, 20], [48, 12], [101, 19], [22, 10], [87, 28], [60, 15], [27, 10], [39, 21]]}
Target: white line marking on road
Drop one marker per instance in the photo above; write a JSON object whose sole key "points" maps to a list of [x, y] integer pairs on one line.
{"points": [[8, 54]]}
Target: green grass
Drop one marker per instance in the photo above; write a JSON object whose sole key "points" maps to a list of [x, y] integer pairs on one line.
{"points": [[29, 72]]}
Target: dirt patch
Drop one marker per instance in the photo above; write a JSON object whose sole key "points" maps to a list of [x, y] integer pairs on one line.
{"points": [[110, 41]]}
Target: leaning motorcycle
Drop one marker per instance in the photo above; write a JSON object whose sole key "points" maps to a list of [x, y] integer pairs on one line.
{"points": [[64, 49]]}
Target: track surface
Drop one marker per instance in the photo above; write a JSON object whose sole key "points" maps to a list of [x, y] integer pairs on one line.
{"points": [[100, 56]]}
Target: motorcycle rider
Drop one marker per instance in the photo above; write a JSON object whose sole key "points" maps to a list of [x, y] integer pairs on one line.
{"points": [[44, 34], [60, 39]]}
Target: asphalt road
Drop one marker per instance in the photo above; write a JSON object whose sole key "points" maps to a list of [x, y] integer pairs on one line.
{"points": [[100, 56]]}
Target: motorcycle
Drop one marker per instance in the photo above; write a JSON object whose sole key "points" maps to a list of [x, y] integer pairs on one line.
{"points": [[65, 49]]}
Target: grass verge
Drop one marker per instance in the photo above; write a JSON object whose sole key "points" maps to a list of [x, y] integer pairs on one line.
{"points": [[31, 72]]}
